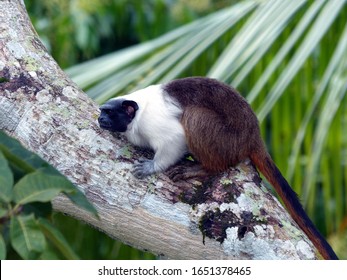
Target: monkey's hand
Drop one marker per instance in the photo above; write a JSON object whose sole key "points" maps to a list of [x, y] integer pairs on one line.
{"points": [[143, 167]]}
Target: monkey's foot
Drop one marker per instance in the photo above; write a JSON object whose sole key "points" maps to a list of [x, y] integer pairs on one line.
{"points": [[187, 171]]}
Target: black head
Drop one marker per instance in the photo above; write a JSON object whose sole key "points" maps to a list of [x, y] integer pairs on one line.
{"points": [[116, 114]]}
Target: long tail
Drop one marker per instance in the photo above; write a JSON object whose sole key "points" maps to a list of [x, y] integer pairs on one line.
{"points": [[266, 166]]}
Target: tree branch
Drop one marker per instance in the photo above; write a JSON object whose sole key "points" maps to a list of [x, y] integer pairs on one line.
{"points": [[231, 216]]}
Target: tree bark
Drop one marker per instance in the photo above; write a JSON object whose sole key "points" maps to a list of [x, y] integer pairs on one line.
{"points": [[231, 216]]}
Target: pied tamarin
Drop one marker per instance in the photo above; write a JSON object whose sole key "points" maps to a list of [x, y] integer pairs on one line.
{"points": [[209, 120]]}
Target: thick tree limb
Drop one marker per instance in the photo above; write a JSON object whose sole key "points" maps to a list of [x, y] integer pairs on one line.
{"points": [[231, 216]]}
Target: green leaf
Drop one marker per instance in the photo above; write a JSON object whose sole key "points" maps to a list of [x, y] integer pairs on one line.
{"points": [[170, 48], [26, 236], [315, 34], [72, 192], [261, 28], [39, 187], [287, 46], [335, 62], [3, 212], [80, 200], [57, 239], [2, 248], [18, 156], [39, 209], [50, 253], [46, 183], [6, 180]]}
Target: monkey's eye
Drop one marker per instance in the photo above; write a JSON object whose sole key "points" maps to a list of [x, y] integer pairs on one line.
{"points": [[107, 111]]}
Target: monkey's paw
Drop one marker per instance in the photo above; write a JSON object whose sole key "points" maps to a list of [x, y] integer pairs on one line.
{"points": [[143, 167]]}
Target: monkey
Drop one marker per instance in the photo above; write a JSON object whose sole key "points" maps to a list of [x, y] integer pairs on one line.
{"points": [[208, 119]]}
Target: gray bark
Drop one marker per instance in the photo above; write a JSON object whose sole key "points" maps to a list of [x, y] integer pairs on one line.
{"points": [[232, 216]]}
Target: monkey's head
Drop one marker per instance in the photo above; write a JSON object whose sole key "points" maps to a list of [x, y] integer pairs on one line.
{"points": [[116, 114]]}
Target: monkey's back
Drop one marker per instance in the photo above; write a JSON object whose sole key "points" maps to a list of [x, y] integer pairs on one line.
{"points": [[220, 126]]}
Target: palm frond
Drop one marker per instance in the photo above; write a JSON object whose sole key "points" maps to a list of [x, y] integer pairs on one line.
{"points": [[320, 26]]}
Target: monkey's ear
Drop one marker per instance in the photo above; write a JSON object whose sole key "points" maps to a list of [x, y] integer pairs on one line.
{"points": [[130, 107]]}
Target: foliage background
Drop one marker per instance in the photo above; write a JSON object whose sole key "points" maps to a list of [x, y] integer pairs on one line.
{"points": [[288, 58]]}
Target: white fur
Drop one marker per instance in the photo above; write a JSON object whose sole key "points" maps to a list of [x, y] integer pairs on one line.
{"points": [[157, 125]]}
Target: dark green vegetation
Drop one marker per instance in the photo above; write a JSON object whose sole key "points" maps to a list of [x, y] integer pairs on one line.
{"points": [[27, 185]]}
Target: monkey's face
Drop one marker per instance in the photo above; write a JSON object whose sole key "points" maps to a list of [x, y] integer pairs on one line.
{"points": [[116, 114]]}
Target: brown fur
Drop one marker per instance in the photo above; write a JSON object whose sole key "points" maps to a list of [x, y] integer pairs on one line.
{"points": [[220, 126], [222, 130]]}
